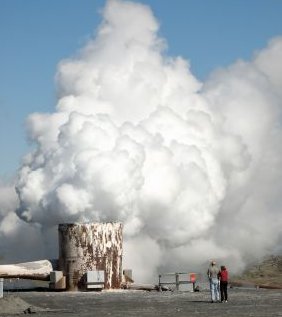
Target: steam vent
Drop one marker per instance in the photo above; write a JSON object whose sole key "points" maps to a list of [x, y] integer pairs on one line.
{"points": [[90, 247]]}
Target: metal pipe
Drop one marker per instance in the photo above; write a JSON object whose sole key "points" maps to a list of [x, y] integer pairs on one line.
{"points": [[36, 270]]}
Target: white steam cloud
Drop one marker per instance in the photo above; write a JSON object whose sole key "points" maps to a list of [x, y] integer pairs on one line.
{"points": [[192, 169]]}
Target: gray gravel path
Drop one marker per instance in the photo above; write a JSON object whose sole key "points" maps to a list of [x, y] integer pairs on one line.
{"points": [[242, 303]]}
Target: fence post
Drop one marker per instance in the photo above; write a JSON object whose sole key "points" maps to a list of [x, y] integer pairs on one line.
{"points": [[177, 281], [1, 287]]}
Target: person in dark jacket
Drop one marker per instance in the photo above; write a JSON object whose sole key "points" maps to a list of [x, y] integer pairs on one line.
{"points": [[223, 277]]}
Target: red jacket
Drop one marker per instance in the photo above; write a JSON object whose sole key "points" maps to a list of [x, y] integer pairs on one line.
{"points": [[223, 275]]}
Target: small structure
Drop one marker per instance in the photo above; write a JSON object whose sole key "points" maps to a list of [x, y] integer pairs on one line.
{"points": [[57, 280], [95, 280]]}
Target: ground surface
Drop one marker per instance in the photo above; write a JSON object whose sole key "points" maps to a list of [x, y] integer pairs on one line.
{"points": [[242, 303]]}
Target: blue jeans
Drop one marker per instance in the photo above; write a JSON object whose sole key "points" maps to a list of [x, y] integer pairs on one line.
{"points": [[214, 287]]}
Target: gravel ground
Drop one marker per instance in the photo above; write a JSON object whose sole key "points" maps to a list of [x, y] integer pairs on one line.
{"points": [[242, 302]]}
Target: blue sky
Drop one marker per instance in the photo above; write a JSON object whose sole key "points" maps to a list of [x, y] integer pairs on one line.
{"points": [[35, 35]]}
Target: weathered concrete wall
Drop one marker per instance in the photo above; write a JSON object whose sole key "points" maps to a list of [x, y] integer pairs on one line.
{"points": [[87, 247]]}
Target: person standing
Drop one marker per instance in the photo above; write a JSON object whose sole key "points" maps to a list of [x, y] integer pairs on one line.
{"points": [[213, 275], [223, 277]]}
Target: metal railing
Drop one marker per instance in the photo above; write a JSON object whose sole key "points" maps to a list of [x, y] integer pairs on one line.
{"points": [[177, 279]]}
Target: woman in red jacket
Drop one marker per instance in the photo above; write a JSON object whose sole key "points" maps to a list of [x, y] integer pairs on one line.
{"points": [[223, 277]]}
